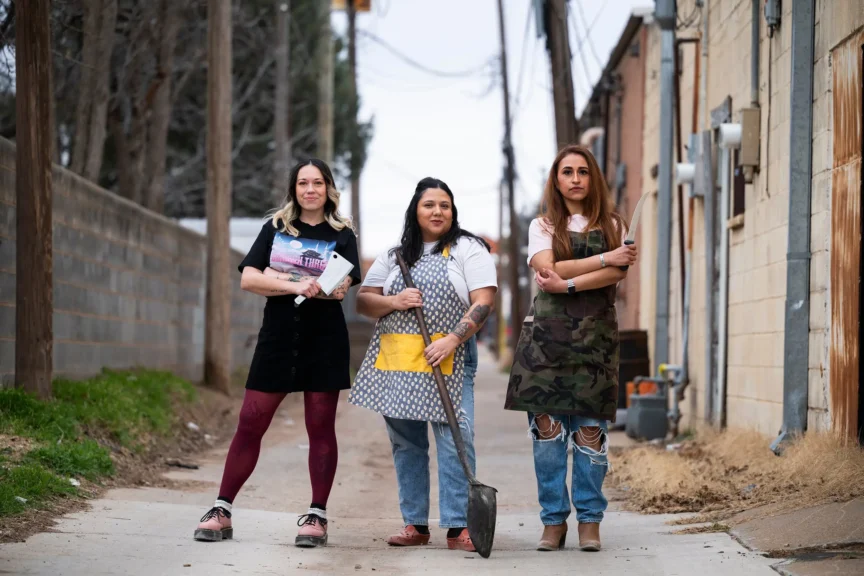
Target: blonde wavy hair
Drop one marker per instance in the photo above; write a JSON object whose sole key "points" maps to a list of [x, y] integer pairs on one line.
{"points": [[283, 218]]}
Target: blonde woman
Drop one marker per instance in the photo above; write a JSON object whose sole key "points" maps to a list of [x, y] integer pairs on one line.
{"points": [[300, 349]]}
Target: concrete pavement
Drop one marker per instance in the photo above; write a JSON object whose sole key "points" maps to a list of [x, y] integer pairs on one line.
{"points": [[149, 531]]}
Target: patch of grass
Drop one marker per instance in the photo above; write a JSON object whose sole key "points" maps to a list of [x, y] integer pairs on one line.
{"points": [[86, 459], [125, 406], [32, 483]]}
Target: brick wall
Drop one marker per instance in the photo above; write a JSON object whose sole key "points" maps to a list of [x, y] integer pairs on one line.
{"points": [[128, 285]]}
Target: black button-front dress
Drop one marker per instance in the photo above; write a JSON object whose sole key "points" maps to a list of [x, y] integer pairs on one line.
{"points": [[302, 348]]}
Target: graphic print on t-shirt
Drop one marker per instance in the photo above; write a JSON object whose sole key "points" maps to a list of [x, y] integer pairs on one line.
{"points": [[300, 256]]}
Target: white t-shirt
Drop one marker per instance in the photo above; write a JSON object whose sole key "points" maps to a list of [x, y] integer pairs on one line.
{"points": [[469, 268], [540, 233]]}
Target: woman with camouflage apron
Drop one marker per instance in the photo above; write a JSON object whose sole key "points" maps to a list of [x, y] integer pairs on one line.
{"points": [[456, 285], [565, 368]]}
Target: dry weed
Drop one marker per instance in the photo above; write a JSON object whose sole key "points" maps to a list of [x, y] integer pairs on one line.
{"points": [[720, 473]]}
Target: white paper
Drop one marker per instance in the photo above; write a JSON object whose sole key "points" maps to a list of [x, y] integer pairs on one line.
{"points": [[335, 272]]}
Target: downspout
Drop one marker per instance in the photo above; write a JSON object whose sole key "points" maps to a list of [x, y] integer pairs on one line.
{"points": [[730, 137], [708, 210], [796, 344], [664, 200], [754, 55]]}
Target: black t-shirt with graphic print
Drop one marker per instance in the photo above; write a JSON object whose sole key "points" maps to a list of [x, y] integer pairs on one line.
{"points": [[301, 348]]}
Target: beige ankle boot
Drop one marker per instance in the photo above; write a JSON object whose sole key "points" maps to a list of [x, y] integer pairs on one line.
{"points": [[589, 537], [553, 538]]}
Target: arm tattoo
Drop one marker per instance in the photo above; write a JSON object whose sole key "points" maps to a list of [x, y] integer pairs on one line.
{"points": [[479, 314], [461, 331], [339, 292]]}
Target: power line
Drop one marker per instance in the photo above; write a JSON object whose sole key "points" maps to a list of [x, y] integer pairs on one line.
{"points": [[580, 51], [588, 30], [422, 67], [528, 20]]}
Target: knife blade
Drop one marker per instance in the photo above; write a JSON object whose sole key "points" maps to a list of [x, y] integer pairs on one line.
{"points": [[634, 222]]}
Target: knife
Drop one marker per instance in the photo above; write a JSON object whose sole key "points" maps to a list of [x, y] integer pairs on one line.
{"points": [[335, 272], [634, 222]]}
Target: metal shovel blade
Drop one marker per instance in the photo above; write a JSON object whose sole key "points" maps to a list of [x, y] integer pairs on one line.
{"points": [[482, 515]]}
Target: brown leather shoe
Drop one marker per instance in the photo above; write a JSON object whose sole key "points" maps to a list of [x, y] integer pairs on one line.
{"points": [[589, 537], [409, 536], [553, 538], [461, 542]]}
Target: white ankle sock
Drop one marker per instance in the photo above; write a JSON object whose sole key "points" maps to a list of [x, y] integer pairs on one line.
{"points": [[223, 504], [318, 512]]}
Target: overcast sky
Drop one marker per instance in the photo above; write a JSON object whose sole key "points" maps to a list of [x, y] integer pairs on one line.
{"points": [[452, 127]]}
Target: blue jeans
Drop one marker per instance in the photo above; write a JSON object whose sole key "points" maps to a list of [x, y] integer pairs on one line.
{"points": [[410, 443], [589, 469]]}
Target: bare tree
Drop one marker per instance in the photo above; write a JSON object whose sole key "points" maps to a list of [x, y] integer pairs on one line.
{"points": [[160, 116], [100, 18], [34, 261]]}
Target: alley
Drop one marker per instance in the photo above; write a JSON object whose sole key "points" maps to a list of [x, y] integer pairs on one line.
{"points": [[149, 531]]}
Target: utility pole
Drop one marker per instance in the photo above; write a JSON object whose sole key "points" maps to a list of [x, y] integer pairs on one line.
{"points": [[515, 237], [558, 46], [325, 84], [352, 81], [217, 353], [34, 296], [282, 161]]}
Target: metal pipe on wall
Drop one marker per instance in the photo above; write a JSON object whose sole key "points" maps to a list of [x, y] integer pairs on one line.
{"points": [[708, 211], [664, 208], [796, 343], [754, 54], [729, 137]]}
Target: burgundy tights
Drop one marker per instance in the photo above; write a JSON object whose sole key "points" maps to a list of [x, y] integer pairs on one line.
{"points": [[255, 417]]}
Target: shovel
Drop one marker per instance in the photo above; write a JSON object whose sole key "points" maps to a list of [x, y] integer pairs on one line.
{"points": [[482, 502]]}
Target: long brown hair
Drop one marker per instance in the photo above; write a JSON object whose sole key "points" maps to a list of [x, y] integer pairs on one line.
{"points": [[598, 206]]}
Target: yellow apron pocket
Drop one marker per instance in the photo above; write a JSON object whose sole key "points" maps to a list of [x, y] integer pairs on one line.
{"points": [[404, 353]]}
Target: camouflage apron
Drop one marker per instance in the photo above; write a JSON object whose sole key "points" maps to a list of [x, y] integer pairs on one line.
{"points": [[394, 379], [566, 360]]}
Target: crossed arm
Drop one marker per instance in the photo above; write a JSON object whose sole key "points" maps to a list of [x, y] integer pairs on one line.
{"points": [[587, 273]]}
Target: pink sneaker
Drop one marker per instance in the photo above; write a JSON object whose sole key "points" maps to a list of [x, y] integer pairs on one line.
{"points": [[313, 531], [215, 526]]}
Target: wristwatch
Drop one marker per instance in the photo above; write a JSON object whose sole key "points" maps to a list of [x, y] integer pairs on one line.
{"points": [[571, 286], [602, 261]]}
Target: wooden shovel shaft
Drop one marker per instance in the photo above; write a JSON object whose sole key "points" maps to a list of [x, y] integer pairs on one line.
{"points": [[439, 380]]}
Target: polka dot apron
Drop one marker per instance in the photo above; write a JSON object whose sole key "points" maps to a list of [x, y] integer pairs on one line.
{"points": [[395, 380]]}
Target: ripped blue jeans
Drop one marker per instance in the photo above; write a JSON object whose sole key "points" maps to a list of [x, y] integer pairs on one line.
{"points": [[552, 437], [410, 442]]}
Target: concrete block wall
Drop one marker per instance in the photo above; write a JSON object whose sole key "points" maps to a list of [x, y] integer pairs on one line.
{"points": [[128, 285]]}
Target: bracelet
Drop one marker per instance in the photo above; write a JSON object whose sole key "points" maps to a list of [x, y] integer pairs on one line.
{"points": [[602, 261]]}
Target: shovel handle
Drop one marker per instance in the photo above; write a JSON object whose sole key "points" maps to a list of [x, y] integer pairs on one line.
{"points": [[439, 380], [627, 243]]}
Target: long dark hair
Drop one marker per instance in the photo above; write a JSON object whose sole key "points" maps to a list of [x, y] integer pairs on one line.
{"points": [[411, 245], [284, 217]]}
